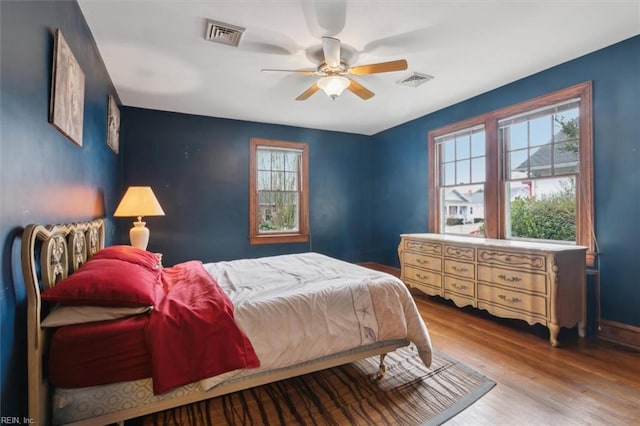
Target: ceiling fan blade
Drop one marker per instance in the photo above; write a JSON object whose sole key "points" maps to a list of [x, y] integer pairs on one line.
{"points": [[324, 18], [307, 93], [303, 72], [380, 67], [331, 49], [360, 90]]}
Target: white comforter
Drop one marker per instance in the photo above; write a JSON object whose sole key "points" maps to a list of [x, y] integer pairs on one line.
{"points": [[295, 308]]}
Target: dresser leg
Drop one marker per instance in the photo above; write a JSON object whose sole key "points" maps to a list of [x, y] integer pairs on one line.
{"points": [[554, 329], [582, 329]]}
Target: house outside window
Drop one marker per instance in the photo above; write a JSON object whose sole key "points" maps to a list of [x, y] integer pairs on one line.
{"points": [[278, 192], [538, 166], [461, 165]]}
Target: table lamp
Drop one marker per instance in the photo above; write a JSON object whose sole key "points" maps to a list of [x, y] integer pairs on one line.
{"points": [[139, 201]]}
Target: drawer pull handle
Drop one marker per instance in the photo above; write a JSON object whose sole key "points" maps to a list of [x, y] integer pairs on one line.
{"points": [[509, 299], [459, 269], [511, 279], [459, 286], [422, 277], [422, 262]]}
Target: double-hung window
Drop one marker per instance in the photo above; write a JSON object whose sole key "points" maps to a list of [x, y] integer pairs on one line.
{"points": [[461, 165], [536, 182], [541, 162], [278, 192]]}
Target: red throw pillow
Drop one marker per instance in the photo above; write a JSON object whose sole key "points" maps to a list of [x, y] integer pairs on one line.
{"points": [[108, 282], [128, 254]]}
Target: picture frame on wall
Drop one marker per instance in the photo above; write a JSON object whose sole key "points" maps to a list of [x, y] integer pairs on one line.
{"points": [[66, 112], [113, 125]]}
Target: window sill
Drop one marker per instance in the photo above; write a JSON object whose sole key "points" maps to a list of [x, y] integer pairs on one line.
{"points": [[279, 238]]}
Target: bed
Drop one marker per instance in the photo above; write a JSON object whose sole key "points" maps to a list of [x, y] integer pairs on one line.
{"points": [[294, 314]]}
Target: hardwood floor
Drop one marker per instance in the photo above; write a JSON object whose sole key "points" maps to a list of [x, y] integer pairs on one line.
{"points": [[585, 381]]}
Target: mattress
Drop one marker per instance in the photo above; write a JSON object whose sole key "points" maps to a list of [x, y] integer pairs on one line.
{"points": [[99, 353]]}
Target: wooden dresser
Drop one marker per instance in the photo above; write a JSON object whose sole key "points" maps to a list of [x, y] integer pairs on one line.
{"points": [[534, 282]]}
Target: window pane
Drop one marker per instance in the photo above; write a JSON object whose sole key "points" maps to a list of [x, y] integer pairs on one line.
{"points": [[477, 144], [541, 161], [292, 161], [463, 172], [543, 209], [477, 170], [565, 159], [463, 148], [264, 159], [565, 124], [463, 210], [291, 181], [278, 211], [277, 160], [264, 180], [449, 174], [516, 136], [449, 149], [540, 131], [518, 164]]}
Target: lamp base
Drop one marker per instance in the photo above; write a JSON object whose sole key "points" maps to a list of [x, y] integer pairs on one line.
{"points": [[139, 235]]}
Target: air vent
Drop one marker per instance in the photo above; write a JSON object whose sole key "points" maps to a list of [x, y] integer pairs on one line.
{"points": [[223, 33], [414, 80]]}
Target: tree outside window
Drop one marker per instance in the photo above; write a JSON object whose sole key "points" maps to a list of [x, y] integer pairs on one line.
{"points": [[278, 192]]}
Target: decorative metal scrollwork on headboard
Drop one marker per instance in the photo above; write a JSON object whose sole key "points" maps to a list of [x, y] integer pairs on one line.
{"points": [[54, 263], [64, 249]]}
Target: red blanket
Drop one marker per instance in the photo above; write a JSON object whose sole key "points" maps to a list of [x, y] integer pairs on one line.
{"points": [[192, 334]]}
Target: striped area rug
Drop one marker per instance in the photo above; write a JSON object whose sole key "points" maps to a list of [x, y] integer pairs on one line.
{"points": [[408, 394]]}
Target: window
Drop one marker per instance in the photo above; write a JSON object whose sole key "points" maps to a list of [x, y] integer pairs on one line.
{"points": [[278, 199], [541, 165], [461, 164], [537, 179]]}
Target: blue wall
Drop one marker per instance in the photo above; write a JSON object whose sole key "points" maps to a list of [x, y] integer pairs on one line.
{"points": [[44, 177], [399, 157], [199, 169]]}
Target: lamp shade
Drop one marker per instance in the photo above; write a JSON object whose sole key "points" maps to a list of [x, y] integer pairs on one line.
{"points": [[139, 201], [333, 85]]}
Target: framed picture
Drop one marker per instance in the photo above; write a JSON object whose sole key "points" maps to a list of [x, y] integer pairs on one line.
{"points": [[66, 111], [113, 125]]}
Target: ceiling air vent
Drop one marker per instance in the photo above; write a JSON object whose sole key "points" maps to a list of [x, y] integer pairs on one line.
{"points": [[223, 33], [414, 80]]}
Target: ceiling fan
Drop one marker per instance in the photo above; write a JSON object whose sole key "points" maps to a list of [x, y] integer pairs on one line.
{"points": [[334, 72]]}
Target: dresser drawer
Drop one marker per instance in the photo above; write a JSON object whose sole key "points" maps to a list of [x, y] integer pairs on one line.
{"points": [[514, 300], [423, 261], [424, 247], [515, 279], [460, 269], [459, 252], [459, 286], [533, 262], [424, 277]]}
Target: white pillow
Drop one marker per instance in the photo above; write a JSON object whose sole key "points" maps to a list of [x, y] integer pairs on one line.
{"points": [[67, 315]]}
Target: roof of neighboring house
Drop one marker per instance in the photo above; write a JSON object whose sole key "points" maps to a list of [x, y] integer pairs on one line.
{"points": [[541, 159], [476, 197]]}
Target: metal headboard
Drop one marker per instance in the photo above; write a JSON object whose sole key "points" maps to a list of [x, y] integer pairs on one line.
{"points": [[49, 254]]}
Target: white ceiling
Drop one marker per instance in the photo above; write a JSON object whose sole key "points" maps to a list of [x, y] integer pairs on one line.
{"points": [[157, 57]]}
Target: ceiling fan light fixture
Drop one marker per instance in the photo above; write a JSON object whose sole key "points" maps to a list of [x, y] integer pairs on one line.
{"points": [[333, 85]]}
